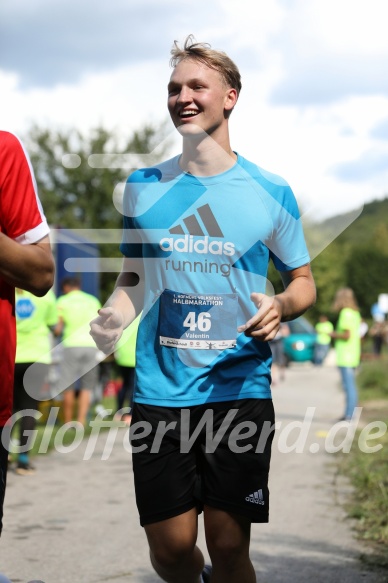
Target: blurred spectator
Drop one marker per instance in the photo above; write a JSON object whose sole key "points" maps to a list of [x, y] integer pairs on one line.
{"points": [[79, 367], [35, 317], [379, 334], [278, 357], [377, 313], [347, 345], [125, 356], [363, 329], [105, 369], [323, 341]]}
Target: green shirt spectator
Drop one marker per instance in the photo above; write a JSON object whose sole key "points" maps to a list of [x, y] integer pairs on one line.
{"points": [[79, 366], [324, 328], [347, 346], [75, 309], [125, 357], [348, 351], [34, 317], [125, 352]]}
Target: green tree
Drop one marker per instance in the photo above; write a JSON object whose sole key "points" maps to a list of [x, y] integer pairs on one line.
{"points": [[367, 274], [380, 238], [74, 193], [329, 274], [79, 176]]}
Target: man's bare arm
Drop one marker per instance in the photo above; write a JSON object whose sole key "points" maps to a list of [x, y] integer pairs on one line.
{"points": [[29, 267], [125, 303], [299, 295]]}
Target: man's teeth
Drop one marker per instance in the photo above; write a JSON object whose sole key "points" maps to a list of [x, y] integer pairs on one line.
{"points": [[189, 113]]}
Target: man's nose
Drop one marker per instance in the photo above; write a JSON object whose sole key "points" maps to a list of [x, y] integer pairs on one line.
{"points": [[184, 95]]}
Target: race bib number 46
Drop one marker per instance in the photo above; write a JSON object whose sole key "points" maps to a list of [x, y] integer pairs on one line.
{"points": [[198, 321]]}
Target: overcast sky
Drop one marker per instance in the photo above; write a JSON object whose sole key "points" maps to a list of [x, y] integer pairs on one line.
{"points": [[314, 104]]}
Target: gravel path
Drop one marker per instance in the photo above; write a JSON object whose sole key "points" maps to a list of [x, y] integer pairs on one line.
{"points": [[75, 520]]}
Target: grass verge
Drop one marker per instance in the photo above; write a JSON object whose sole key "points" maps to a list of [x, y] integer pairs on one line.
{"points": [[368, 472]]}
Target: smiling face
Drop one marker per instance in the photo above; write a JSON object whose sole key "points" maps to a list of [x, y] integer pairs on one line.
{"points": [[199, 99]]}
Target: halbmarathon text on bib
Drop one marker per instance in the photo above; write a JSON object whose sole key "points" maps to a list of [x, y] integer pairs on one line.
{"points": [[198, 321]]}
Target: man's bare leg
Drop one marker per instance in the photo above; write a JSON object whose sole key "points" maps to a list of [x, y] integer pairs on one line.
{"points": [[174, 554], [84, 398], [228, 539], [68, 405]]}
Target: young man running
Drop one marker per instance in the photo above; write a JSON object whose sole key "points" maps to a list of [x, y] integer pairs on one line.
{"points": [[199, 231]]}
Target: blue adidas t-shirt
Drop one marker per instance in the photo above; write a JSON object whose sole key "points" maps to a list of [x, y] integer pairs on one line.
{"points": [[206, 243]]}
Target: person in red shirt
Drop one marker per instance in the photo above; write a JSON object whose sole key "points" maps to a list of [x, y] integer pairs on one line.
{"points": [[26, 262]]}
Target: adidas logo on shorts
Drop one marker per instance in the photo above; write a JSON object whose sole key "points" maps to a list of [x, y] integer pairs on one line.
{"points": [[256, 498]]}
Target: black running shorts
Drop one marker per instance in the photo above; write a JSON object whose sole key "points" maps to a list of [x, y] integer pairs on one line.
{"points": [[216, 454]]}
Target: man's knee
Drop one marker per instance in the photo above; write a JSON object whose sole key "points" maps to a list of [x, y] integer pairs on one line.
{"points": [[228, 541], [172, 552], [170, 546], [226, 548]]}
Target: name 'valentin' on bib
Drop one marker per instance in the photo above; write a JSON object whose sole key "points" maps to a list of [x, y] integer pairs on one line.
{"points": [[198, 321]]}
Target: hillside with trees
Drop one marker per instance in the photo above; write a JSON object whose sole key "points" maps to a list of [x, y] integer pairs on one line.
{"points": [[356, 258]]}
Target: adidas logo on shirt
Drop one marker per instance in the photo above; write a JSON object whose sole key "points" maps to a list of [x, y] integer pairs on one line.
{"points": [[189, 243], [256, 498]]}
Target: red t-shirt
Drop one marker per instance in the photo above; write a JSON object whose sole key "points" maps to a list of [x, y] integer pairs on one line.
{"points": [[21, 219]]}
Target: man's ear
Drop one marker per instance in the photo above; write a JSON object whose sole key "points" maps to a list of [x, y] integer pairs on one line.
{"points": [[230, 100]]}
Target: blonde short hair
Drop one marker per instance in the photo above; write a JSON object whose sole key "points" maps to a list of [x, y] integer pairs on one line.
{"points": [[203, 53], [345, 298]]}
